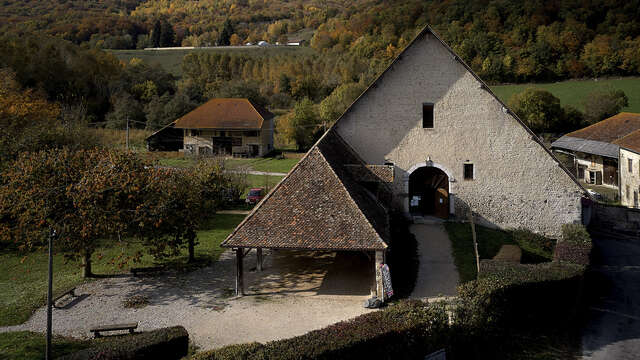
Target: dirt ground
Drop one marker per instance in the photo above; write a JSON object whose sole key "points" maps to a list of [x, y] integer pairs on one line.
{"points": [[297, 292]]}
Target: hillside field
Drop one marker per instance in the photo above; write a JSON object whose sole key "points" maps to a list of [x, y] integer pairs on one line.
{"points": [[171, 60], [573, 92]]}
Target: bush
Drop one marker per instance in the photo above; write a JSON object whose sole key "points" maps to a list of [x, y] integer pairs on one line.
{"points": [[166, 343], [536, 248], [575, 246], [406, 330], [520, 295]]}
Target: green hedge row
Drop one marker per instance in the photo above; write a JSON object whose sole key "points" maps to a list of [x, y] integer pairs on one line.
{"points": [[511, 295], [405, 330], [167, 343]]}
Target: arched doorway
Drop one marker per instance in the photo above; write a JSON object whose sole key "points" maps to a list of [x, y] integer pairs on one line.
{"points": [[429, 192]]}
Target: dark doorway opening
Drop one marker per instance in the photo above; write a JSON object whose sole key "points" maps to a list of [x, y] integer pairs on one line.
{"points": [[429, 192]]}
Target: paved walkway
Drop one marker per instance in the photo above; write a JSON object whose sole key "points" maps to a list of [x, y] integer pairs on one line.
{"points": [[612, 328], [437, 275]]}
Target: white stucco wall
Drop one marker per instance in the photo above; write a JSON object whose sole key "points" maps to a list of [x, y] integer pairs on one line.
{"points": [[517, 183]]}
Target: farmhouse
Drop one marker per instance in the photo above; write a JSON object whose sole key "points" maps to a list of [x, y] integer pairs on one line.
{"points": [[607, 153], [235, 127], [427, 138]]}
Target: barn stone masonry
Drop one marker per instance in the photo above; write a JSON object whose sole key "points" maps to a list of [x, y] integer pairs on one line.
{"points": [[516, 181]]}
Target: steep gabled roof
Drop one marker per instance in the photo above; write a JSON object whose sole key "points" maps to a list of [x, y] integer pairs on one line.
{"points": [[225, 114], [318, 206]]}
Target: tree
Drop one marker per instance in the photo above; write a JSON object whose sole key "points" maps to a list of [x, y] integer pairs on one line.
{"points": [[167, 34], [156, 34], [539, 109], [305, 124], [125, 108], [35, 199], [335, 104], [602, 104], [235, 40], [224, 39]]}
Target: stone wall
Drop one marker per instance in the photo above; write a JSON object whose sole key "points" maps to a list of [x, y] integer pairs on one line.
{"points": [[616, 221], [517, 183], [629, 178]]}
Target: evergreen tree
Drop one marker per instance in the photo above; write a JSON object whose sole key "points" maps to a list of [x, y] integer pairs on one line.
{"points": [[224, 39], [167, 35], [155, 34]]}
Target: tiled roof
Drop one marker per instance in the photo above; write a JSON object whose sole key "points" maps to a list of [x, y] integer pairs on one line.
{"points": [[225, 114], [611, 129], [631, 141], [318, 206]]}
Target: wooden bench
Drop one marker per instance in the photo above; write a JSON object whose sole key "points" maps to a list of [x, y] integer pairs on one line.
{"points": [[146, 270], [115, 327], [68, 292]]}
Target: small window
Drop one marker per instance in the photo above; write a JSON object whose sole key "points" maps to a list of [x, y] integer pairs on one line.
{"points": [[468, 171], [427, 116], [630, 165], [195, 132]]}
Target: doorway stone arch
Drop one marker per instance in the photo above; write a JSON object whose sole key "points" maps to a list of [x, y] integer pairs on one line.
{"points": [[451, 185]]}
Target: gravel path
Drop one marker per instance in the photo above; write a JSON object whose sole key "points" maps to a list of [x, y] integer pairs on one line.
{"points": [[202, 302]]}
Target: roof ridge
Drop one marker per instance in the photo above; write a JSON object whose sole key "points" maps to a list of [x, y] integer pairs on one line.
{"points": [[354, 202]]}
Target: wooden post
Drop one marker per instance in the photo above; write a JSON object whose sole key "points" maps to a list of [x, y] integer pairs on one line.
{"points": [[259, 255], [379, 260], [475, 242], [239, 273]]}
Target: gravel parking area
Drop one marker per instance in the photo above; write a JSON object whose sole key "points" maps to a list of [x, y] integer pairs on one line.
{"points": [[295, 294]]}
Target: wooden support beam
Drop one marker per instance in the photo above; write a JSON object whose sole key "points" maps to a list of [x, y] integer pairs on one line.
{"points": [[239, 273], [259, 256]]}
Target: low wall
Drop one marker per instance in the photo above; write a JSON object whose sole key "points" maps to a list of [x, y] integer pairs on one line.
{"points": [[618, 221]]}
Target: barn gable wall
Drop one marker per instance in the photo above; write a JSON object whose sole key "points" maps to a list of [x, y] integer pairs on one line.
{"points": [[517, 183]]}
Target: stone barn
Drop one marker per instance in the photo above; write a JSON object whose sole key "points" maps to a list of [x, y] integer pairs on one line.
{"points": [[427, 138]]}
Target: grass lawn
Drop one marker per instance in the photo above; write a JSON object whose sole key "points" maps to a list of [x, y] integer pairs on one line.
{"points": [[177, 162], [489, 243], [23, 283], [263, 181], [25, 345], [573, 92], [263, 164]]}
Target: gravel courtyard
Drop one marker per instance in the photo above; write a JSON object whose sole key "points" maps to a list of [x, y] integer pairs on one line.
{"points": [[296, 293]]}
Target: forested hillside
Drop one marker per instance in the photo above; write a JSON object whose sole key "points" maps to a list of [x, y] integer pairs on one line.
{"points": [[503, 40]]}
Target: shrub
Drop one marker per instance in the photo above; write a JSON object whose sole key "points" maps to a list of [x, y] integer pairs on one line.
{"points": [[166, 343], [536, 248], [406, 330], [575, 245], [514, 295]]}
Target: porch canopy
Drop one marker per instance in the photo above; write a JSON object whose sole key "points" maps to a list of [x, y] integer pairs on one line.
{"points": [[319, 205]]}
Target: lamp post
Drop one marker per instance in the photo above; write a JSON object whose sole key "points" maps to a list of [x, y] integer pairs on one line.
{"points": [[50, 295]]}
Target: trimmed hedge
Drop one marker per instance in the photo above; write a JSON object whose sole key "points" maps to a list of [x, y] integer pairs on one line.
{"points": [[167, 343], [405, 330], [514, 295], [575, 246]]}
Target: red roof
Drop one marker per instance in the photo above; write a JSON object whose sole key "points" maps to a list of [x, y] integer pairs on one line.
{"points": [[317, 206], [225, 114]]}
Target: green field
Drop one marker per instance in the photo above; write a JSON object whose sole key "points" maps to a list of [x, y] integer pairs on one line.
{"points": [[268, 164], [573, 92], [171, 60], [23, 278], [25, 345]]}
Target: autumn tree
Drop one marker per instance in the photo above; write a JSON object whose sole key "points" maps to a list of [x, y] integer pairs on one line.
{"points": [[224, 39], [337, 102]]}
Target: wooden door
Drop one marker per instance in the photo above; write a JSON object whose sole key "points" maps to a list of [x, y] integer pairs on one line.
{"points": [[441, 204]]}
